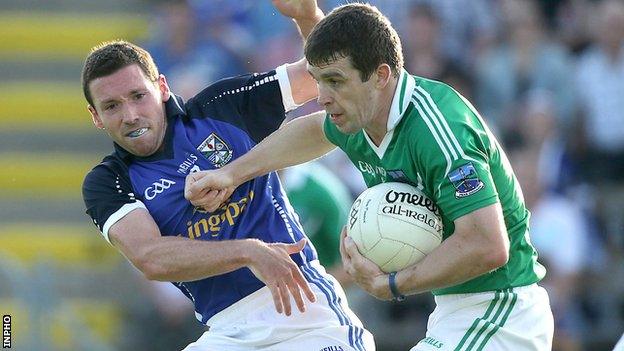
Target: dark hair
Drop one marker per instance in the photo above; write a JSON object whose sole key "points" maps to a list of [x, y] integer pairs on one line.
{"points": [[359, 32], [108, 57]]}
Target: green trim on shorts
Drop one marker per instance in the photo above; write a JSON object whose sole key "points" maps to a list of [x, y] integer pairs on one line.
{"points": [[503, 305]]}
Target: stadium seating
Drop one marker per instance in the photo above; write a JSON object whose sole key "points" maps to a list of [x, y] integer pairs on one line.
{"points": [[58, 271]]}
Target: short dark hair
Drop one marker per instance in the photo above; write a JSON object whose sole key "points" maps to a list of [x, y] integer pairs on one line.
{"points": [[359, 32], [108, 57]]}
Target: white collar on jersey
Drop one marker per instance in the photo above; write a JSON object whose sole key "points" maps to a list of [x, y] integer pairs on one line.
{"points": [[401, 99]]}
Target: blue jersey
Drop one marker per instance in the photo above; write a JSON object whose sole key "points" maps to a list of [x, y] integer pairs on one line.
{"points": [[213, 128]]}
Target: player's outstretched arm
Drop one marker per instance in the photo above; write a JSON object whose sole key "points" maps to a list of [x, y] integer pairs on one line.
{"points": [[298, 141], [166, 258]]}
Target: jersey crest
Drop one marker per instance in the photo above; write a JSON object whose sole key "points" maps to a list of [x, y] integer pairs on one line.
{"points": [[465, 180], [215, 150], [398, 176]]}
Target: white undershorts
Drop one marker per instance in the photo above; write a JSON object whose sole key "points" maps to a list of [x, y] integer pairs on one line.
{"points": [[253, 324]]}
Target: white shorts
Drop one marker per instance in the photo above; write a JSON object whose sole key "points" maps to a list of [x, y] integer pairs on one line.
{"points": [[515, 319], [253, 324], [620, 345]]}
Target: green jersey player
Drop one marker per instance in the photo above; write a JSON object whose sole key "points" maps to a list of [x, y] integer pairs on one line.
{"points": [[398, 127], [322, 202]]}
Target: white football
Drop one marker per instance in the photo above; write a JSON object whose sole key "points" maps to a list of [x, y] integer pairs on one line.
{"points": [[394, 225]]}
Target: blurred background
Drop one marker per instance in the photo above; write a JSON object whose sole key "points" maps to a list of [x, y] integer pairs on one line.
{"points": [[548, 76]]}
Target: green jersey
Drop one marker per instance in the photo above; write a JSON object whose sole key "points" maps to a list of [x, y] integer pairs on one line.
{"points": [[437, 141], [322, 203]]}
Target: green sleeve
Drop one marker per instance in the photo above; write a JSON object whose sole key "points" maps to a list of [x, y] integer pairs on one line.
{"points": [[322, 202], [455, 153], [329, 233]]}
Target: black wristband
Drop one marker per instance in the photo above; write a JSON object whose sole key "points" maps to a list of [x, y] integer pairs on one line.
{"points": [[396, 295]]}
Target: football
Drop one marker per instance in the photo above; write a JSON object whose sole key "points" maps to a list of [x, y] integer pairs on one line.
{"points": [[394, 225]]}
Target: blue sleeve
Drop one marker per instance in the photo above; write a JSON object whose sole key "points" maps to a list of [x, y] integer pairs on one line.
{"points": [[252, 102], [107, 192]]}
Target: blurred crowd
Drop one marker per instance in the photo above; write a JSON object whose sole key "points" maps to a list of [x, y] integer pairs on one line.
{"points": [[547, 76]]}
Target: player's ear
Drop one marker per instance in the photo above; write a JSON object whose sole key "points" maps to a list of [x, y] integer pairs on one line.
{"points": [[165, 92], [95, 117], [382, 75]]}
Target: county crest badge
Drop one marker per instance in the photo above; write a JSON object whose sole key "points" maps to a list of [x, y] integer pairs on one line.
{"points": [[215, 150], [465, 180]]}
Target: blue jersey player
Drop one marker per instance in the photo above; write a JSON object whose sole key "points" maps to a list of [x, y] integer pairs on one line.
{"points": [[243, 264]]}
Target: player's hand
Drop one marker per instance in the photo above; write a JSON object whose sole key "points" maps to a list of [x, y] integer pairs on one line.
{"points": [[208, 189], [365, 273], [272, 264], [297, 9]]}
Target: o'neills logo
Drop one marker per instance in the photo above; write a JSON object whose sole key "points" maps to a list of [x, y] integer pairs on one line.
{"points": [[413, 199]]}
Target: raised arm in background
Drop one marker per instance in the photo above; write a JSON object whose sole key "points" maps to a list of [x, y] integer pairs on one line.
{"points": [[306, 14]]}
